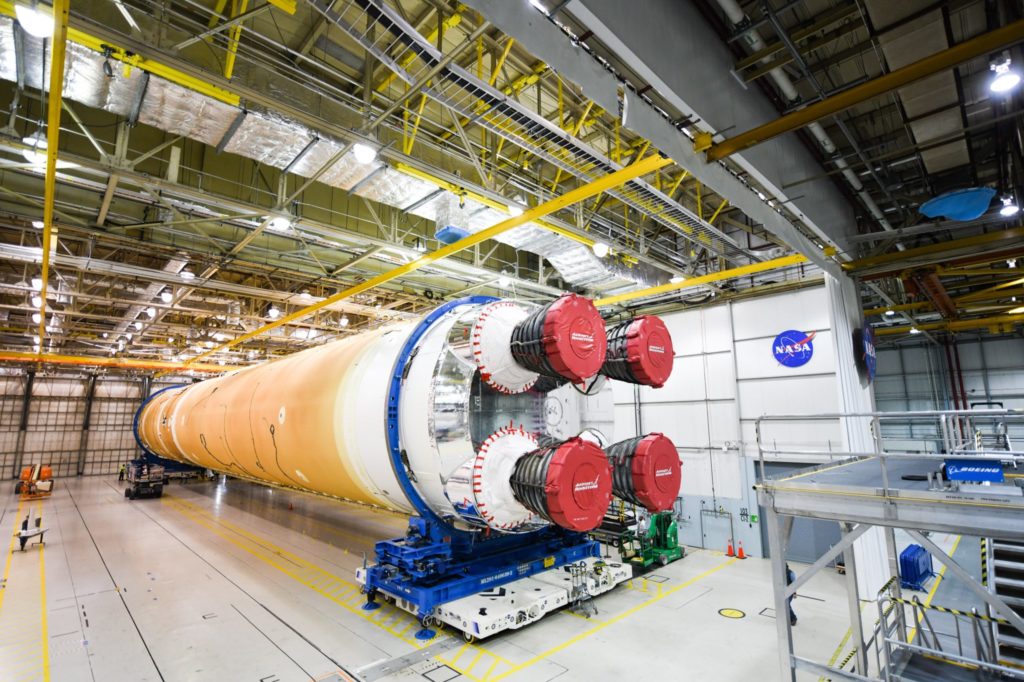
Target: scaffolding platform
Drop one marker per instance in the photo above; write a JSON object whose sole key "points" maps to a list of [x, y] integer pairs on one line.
{"points": [[871, 494]]}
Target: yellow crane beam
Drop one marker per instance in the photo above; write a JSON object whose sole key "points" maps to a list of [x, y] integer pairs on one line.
{"points": [[995, 324], [53, 108], [940, 61], [636, 170], [710, 278], [117, 363]]}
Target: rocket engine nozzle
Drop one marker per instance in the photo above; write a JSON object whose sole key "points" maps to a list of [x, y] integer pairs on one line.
{"points": [[569, 483], [646, 471], [639, 352], [565, 338]]}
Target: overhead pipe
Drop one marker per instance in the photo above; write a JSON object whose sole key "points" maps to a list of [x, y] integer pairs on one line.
{"points": [[753, 38]]}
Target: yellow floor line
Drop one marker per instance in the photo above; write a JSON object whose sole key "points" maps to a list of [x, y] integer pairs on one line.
{"points": [[934, 589], [10, 552], [42, 604], [614, 619], [268, 548]]}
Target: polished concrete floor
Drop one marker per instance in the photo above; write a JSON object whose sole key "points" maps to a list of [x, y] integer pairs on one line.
{"points": [[238, 582]]}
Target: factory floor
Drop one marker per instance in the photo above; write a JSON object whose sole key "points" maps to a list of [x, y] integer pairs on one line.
{"points": [[239, 582]]}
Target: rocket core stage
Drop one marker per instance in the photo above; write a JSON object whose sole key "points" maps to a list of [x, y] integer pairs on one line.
{"points": [[438, 418]]}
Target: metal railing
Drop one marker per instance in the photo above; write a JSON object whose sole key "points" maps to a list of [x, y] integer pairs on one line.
{"points": [[971, 643], [957, 433]]}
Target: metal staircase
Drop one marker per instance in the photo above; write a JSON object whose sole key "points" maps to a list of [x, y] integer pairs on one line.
{"points": [[1006, 579]]}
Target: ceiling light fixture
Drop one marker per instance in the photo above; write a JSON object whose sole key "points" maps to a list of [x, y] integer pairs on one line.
{"points": [[37, 301], [151, 311], [38, 224], [1011, 262], [343, 322], [504, 280], [166, 295], [915, 330], [279, 223], [364, 153], [36, 19], [36, 318], [138, 325], [187, 275], [515, 210], [677, 279], [1009, 207], [1005, 79], [274, 312], [890, 312], [1016, 311], [600, 249]]}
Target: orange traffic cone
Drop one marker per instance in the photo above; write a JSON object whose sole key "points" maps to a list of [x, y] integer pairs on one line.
{"points": [[739, 553], [729, 551]]}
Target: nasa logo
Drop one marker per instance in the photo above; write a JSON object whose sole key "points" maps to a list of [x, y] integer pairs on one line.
{"points": [[868, 357], [793, 348]]}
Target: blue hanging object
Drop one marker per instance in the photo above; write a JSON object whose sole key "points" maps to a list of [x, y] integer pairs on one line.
{"points": [[961, 204], [451, 234]]}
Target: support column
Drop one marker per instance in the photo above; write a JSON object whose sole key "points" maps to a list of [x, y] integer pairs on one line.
{"points": [[83, 443], [19, 450], [777, 551], [853, 601]]}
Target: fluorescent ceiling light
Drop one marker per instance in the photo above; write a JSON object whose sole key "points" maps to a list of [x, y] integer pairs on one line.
{"points": [[600, 249], [1009, 207], [1005, 79], [1016, 311], [279, 223], [364, 153], [890, 312], [36, 19], [187, 275], [38, 224], [677, 279], [915, 330], [515, 210]]}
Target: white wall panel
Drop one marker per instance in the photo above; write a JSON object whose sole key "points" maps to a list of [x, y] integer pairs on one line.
{"points": [[717, 329], [685, 328], [805, 310], [754, 358]]}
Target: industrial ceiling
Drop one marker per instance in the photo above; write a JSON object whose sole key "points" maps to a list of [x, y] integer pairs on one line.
{"points": [[238, 180]]}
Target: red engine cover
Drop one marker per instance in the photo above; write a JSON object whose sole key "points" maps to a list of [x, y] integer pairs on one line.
{"points": [[574, 338], [578, 485], [649, 350], [657, 472]]}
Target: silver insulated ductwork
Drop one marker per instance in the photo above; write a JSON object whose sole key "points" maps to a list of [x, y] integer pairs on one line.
{"points": [[271, 139]]}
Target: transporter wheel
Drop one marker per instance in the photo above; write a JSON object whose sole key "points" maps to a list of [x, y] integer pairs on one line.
{"points": [[126, 491], [470, 638], [663, 559]]}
